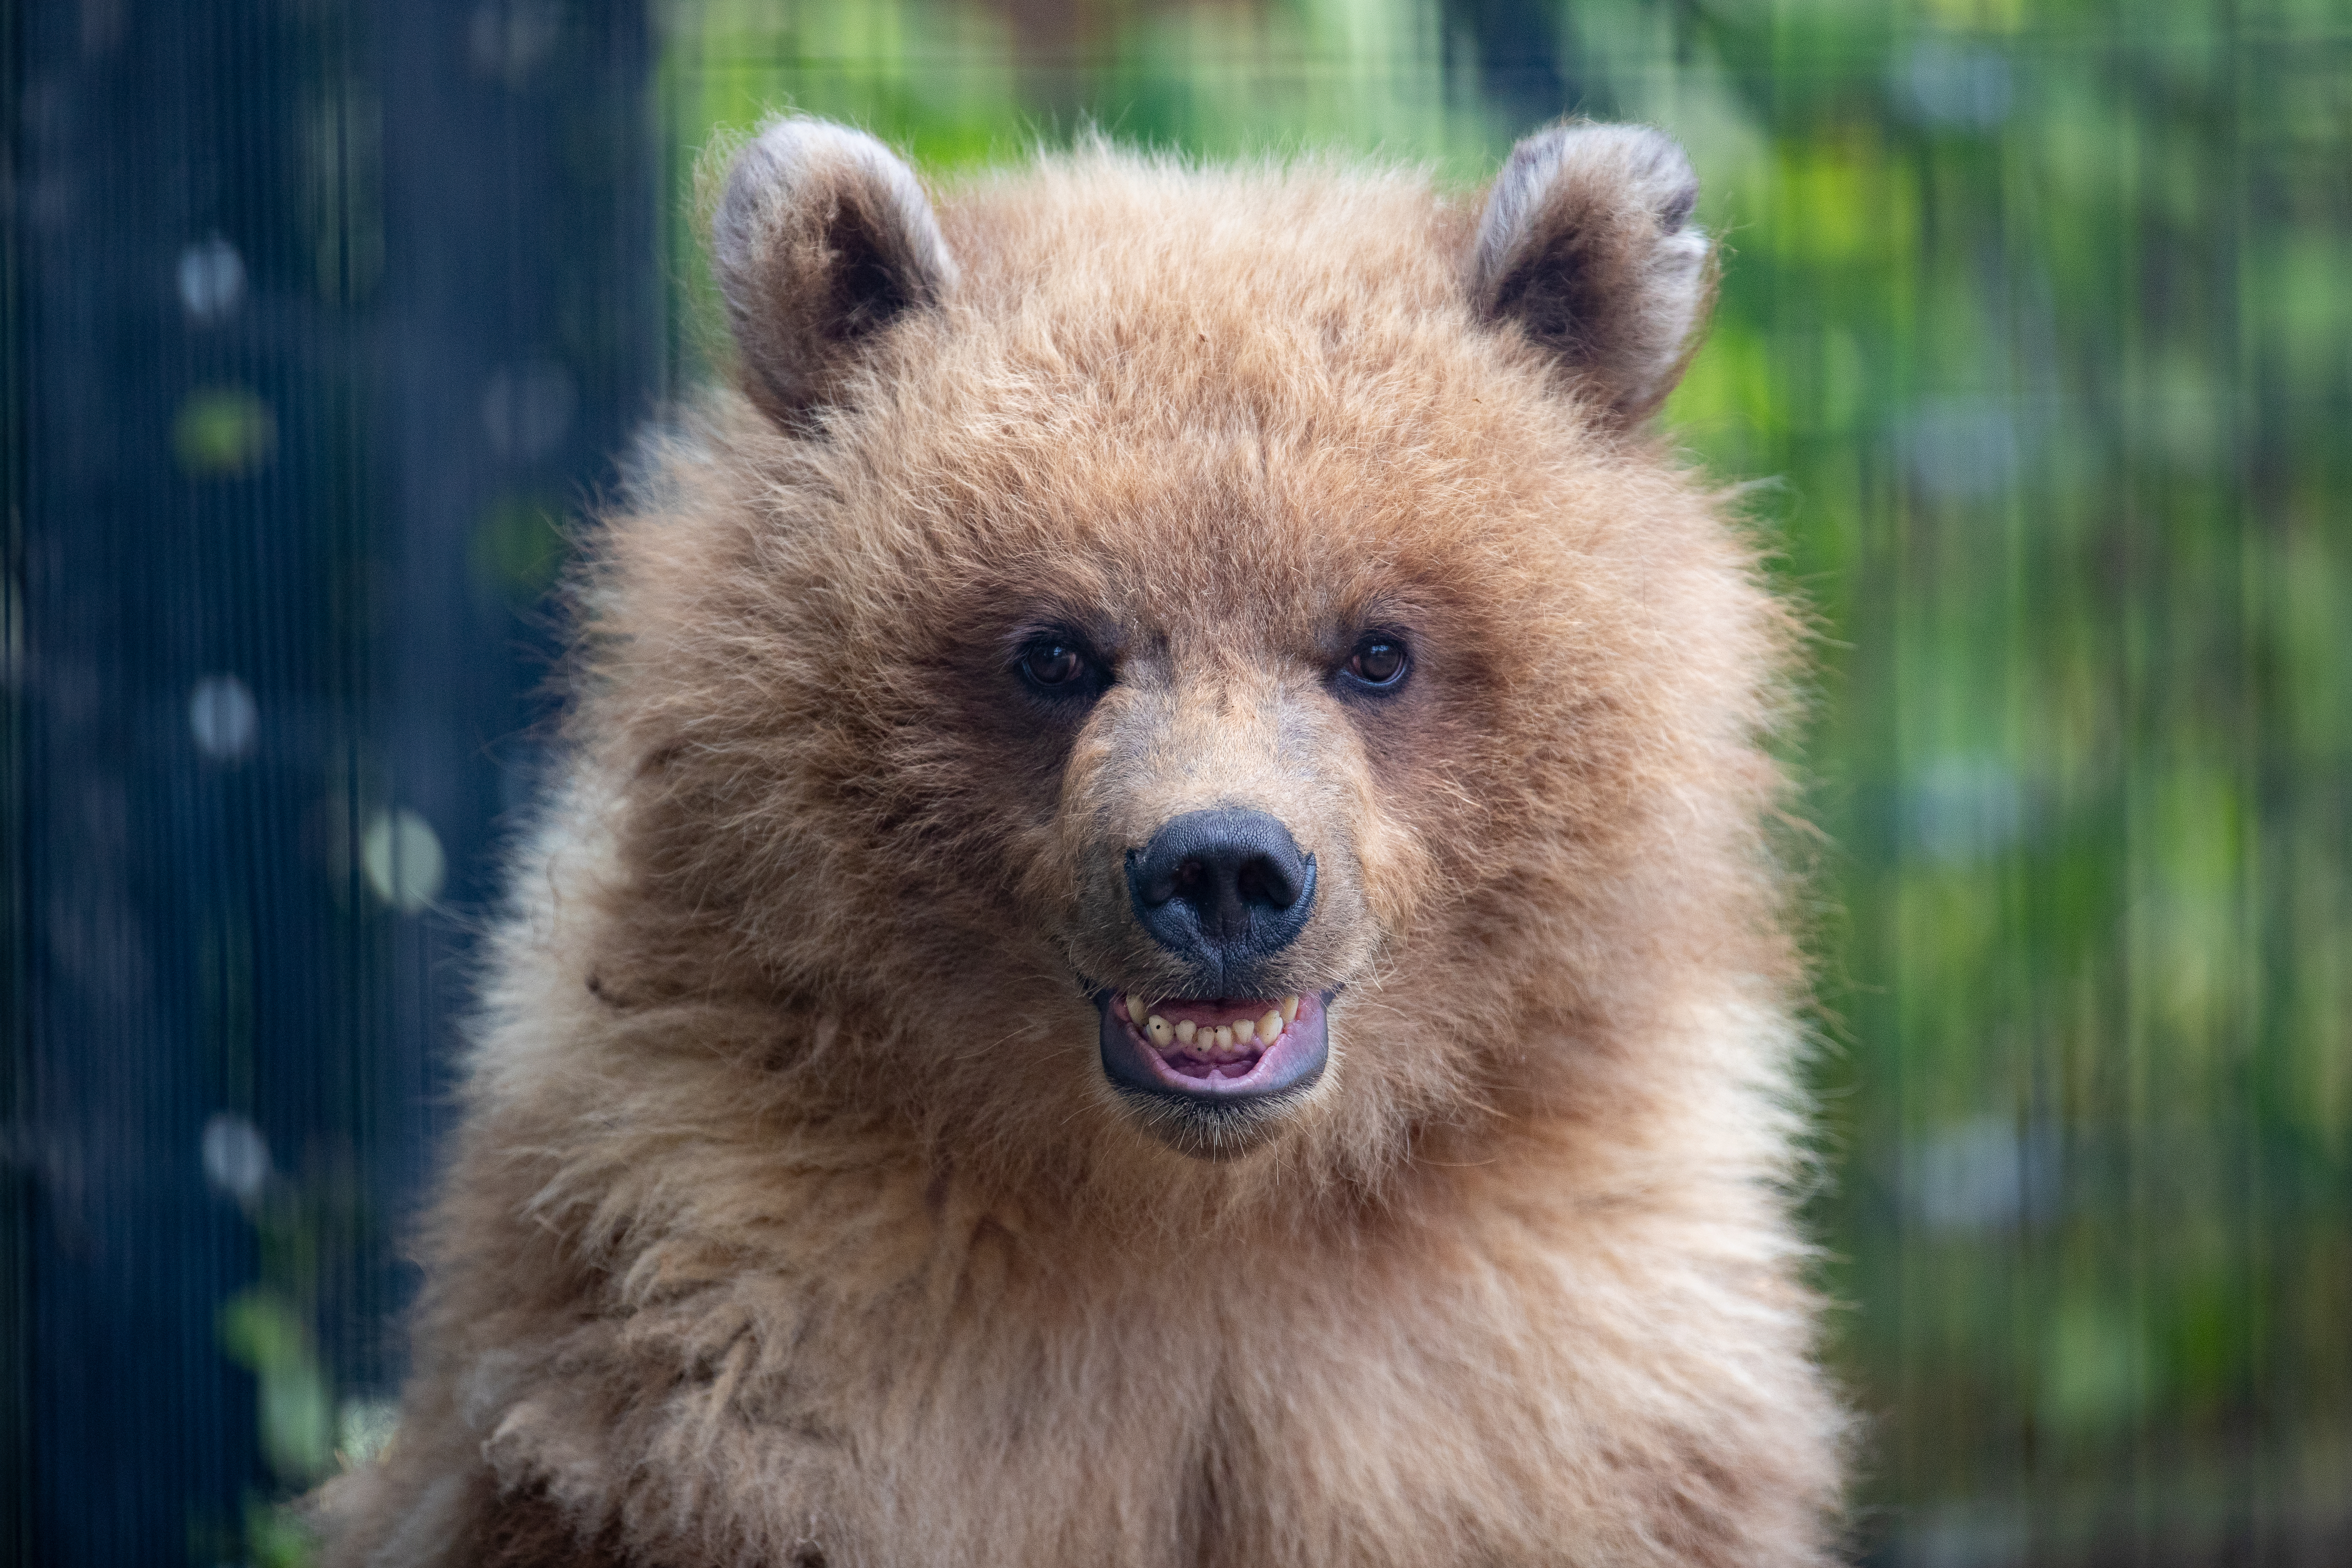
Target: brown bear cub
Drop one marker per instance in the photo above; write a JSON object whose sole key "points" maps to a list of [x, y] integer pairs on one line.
{"points": [[1157, 947]]}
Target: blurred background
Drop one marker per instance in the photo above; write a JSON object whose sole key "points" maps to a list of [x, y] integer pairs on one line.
{"points": [[323, 322]]}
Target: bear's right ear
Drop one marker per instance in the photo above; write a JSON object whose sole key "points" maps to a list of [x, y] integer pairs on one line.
{"points": [[1587, 243], [821, 239]]}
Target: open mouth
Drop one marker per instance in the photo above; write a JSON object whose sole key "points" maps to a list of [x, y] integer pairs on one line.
{"points": [[1214, 1050]]}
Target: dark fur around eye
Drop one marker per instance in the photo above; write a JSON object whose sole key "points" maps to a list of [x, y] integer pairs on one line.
{"points": [[1377, 663]]}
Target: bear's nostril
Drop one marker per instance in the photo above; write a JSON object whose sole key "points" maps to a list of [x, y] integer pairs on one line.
{"points": [[1261, 881], [1222, 887]]}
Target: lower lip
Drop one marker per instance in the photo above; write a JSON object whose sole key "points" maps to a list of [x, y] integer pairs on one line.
{"points": [[1292, 1063]]}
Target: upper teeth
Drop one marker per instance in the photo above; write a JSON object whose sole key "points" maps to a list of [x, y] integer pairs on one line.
{"points": [[1217, 1043]]}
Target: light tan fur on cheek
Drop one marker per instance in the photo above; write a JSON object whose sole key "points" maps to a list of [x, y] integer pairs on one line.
{"points": [[1397, 868]]}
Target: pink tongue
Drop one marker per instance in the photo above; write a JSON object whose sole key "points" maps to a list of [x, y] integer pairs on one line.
{"points": [[1193, 1067]]}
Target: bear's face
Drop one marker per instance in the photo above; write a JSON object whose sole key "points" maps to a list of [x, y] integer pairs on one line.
{"points": [[1156, 676], [1220, 733]]}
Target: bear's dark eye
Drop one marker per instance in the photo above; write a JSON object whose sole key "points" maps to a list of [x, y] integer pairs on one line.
{"points": [[1379, 662], [1058, 666]]}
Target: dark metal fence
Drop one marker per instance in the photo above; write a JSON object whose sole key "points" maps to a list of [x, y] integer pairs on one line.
{"points": [[319, 319]]}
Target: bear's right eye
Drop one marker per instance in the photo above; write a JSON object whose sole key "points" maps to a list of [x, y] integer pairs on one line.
{"points": [[1058, 665]]}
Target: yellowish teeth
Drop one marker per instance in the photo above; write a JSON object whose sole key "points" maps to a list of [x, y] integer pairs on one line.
{"points": [[1225, 1041]]}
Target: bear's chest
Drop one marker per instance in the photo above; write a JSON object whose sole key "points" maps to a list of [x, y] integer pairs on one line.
{"points": [[1189, 1423]]}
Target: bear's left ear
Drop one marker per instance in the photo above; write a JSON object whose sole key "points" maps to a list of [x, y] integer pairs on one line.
{"points": [[822, 240], [1587, 243]]}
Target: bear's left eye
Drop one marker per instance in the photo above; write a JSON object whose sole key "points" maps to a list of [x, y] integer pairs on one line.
{"points": [[1058, 666], [1379, 662]]}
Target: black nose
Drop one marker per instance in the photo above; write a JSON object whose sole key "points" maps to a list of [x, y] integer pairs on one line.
{"points": [[1222, 889]]}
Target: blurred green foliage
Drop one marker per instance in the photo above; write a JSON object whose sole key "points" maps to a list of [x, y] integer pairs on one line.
{"points": [[223, 431], [2035, 320], [517, 551], [307, 1434], [263, 1333]]}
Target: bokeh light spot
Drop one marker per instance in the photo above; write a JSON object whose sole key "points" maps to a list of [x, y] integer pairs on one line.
{"points": [[528, 408], [402, 858], [235, 1157], [223, 431], [212, 280], [224, 717]]}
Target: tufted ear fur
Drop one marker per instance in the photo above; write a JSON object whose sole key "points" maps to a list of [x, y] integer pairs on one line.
{"points": [[821, 239], [1587, 243]]}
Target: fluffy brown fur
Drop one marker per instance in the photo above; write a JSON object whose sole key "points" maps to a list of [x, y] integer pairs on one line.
{"points": [[793, 1220]]}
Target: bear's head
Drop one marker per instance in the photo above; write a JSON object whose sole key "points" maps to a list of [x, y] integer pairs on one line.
{"points": [[1183, 660]]}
